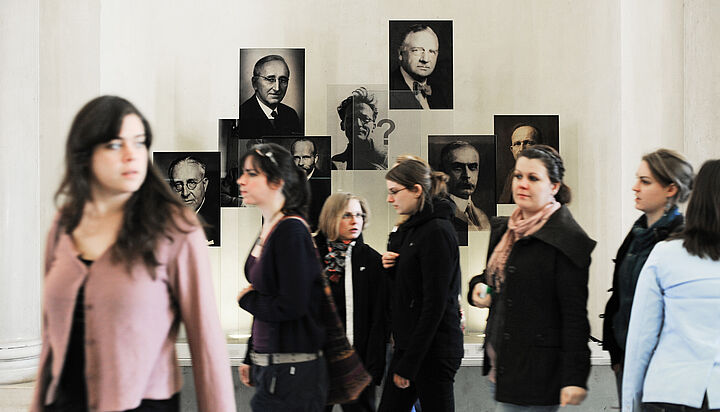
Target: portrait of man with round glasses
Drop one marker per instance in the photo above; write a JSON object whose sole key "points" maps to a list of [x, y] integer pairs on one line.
{"points": [[266, 81], [194, 177], [421, 64]]}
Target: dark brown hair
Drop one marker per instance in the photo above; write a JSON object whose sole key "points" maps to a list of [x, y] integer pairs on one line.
{"points": [[554, 166], [701, 236], [276, 163], [150, 213]]}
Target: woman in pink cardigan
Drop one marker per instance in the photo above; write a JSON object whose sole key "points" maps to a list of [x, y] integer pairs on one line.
{"points": [[125, 263]]}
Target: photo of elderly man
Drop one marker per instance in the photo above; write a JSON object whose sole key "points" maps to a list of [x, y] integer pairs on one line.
{"points": [[195, 178], [421, 74]]}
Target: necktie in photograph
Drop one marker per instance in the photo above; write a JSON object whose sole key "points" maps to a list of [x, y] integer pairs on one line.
{"points": [[425, 89], [274, 114]]}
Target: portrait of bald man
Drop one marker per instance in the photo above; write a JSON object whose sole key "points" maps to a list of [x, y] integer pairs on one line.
{"points": [[306, 155], [515, 134], [468, 162], [421, 64], [195, 178], [266, 110]]}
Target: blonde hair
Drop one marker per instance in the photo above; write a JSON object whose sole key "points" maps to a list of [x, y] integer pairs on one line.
{"points": [[334, 208]]}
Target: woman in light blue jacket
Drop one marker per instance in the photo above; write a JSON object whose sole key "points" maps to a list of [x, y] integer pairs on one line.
{"points": [[673, 346]]}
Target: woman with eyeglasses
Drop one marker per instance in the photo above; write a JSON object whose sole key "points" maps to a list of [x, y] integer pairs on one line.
{"points": [[125, 263], [423, 263], [284, 359], [357, 282]]}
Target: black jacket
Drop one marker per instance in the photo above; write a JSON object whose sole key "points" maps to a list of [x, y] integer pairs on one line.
{"points": [[610, 344], [255, 125], [369, 286], [426, 285], [543, 339]]}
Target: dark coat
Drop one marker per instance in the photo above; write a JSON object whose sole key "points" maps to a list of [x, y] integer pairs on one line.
{"points": [[369, 286], [545, 331], [255, 125], [610, 344], [287, 299], [402, 97], [426, 285]]}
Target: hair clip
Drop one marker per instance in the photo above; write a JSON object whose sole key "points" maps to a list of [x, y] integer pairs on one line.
{"points": [[269, 155]]}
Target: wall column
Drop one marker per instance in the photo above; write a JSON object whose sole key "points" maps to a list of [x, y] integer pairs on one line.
{"points": [[20, 238]]}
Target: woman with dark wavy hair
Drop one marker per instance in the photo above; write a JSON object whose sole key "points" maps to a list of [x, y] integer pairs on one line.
{"points": [[539, 258], [125, 263], [284, 359]]}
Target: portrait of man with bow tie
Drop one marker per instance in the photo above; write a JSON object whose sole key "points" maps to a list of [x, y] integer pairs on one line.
{"points": [[421, 65], [264, 114]]}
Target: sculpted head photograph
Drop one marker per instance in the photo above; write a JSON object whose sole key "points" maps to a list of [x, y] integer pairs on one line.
{"points": [[421, 64], [272, 92], [514, 134], [195, 178], [469, 163], [354, 113]]}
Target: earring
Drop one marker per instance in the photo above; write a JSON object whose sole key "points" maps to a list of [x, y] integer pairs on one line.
{"points": [[668, 204]]}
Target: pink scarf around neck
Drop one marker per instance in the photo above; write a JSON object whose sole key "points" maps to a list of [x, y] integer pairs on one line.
{"points": [[517, 228]]}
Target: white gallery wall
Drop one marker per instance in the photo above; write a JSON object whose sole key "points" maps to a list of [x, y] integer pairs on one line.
{"points": [[625, 77]]}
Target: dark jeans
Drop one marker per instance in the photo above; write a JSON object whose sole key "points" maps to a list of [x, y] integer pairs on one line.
{"points": [[433, 385], [364, 403], [290, 387], [671, 407], [147, 405]]}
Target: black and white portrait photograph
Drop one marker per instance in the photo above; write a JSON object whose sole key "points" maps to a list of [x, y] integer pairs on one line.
{"points": [[272, 92], [228, 141], [312, 154], [515, 133], [195, 178], [421, 64], [354, 114], [469, 162]]}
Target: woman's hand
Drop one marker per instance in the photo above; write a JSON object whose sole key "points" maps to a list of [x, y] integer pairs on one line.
{"points": [[388, 259], [244, 291], [481, 302], [244, 371], [572, 395], [400, 382]]}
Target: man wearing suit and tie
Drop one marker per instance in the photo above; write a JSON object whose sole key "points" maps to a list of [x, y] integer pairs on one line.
{"points": [[263, 114], [461, 161], [411, 84]]}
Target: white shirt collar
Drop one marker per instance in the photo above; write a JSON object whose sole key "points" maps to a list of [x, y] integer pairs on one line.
{"points": [[265, 108], [461, 203]]}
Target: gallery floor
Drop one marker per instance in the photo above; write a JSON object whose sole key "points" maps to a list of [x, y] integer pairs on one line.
{"points": [[471, 392]]}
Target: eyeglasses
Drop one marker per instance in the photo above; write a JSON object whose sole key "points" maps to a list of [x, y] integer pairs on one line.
{"points": [[395, 192], [348, 216], [268, 155], [272, 79], [417, 51], [191, 184]]}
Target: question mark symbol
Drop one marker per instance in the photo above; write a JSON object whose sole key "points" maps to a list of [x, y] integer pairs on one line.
{"points": [[390, 129]]}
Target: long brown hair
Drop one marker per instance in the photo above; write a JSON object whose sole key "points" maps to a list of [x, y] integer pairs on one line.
{"points": [[150, 213], [701, 236]]}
